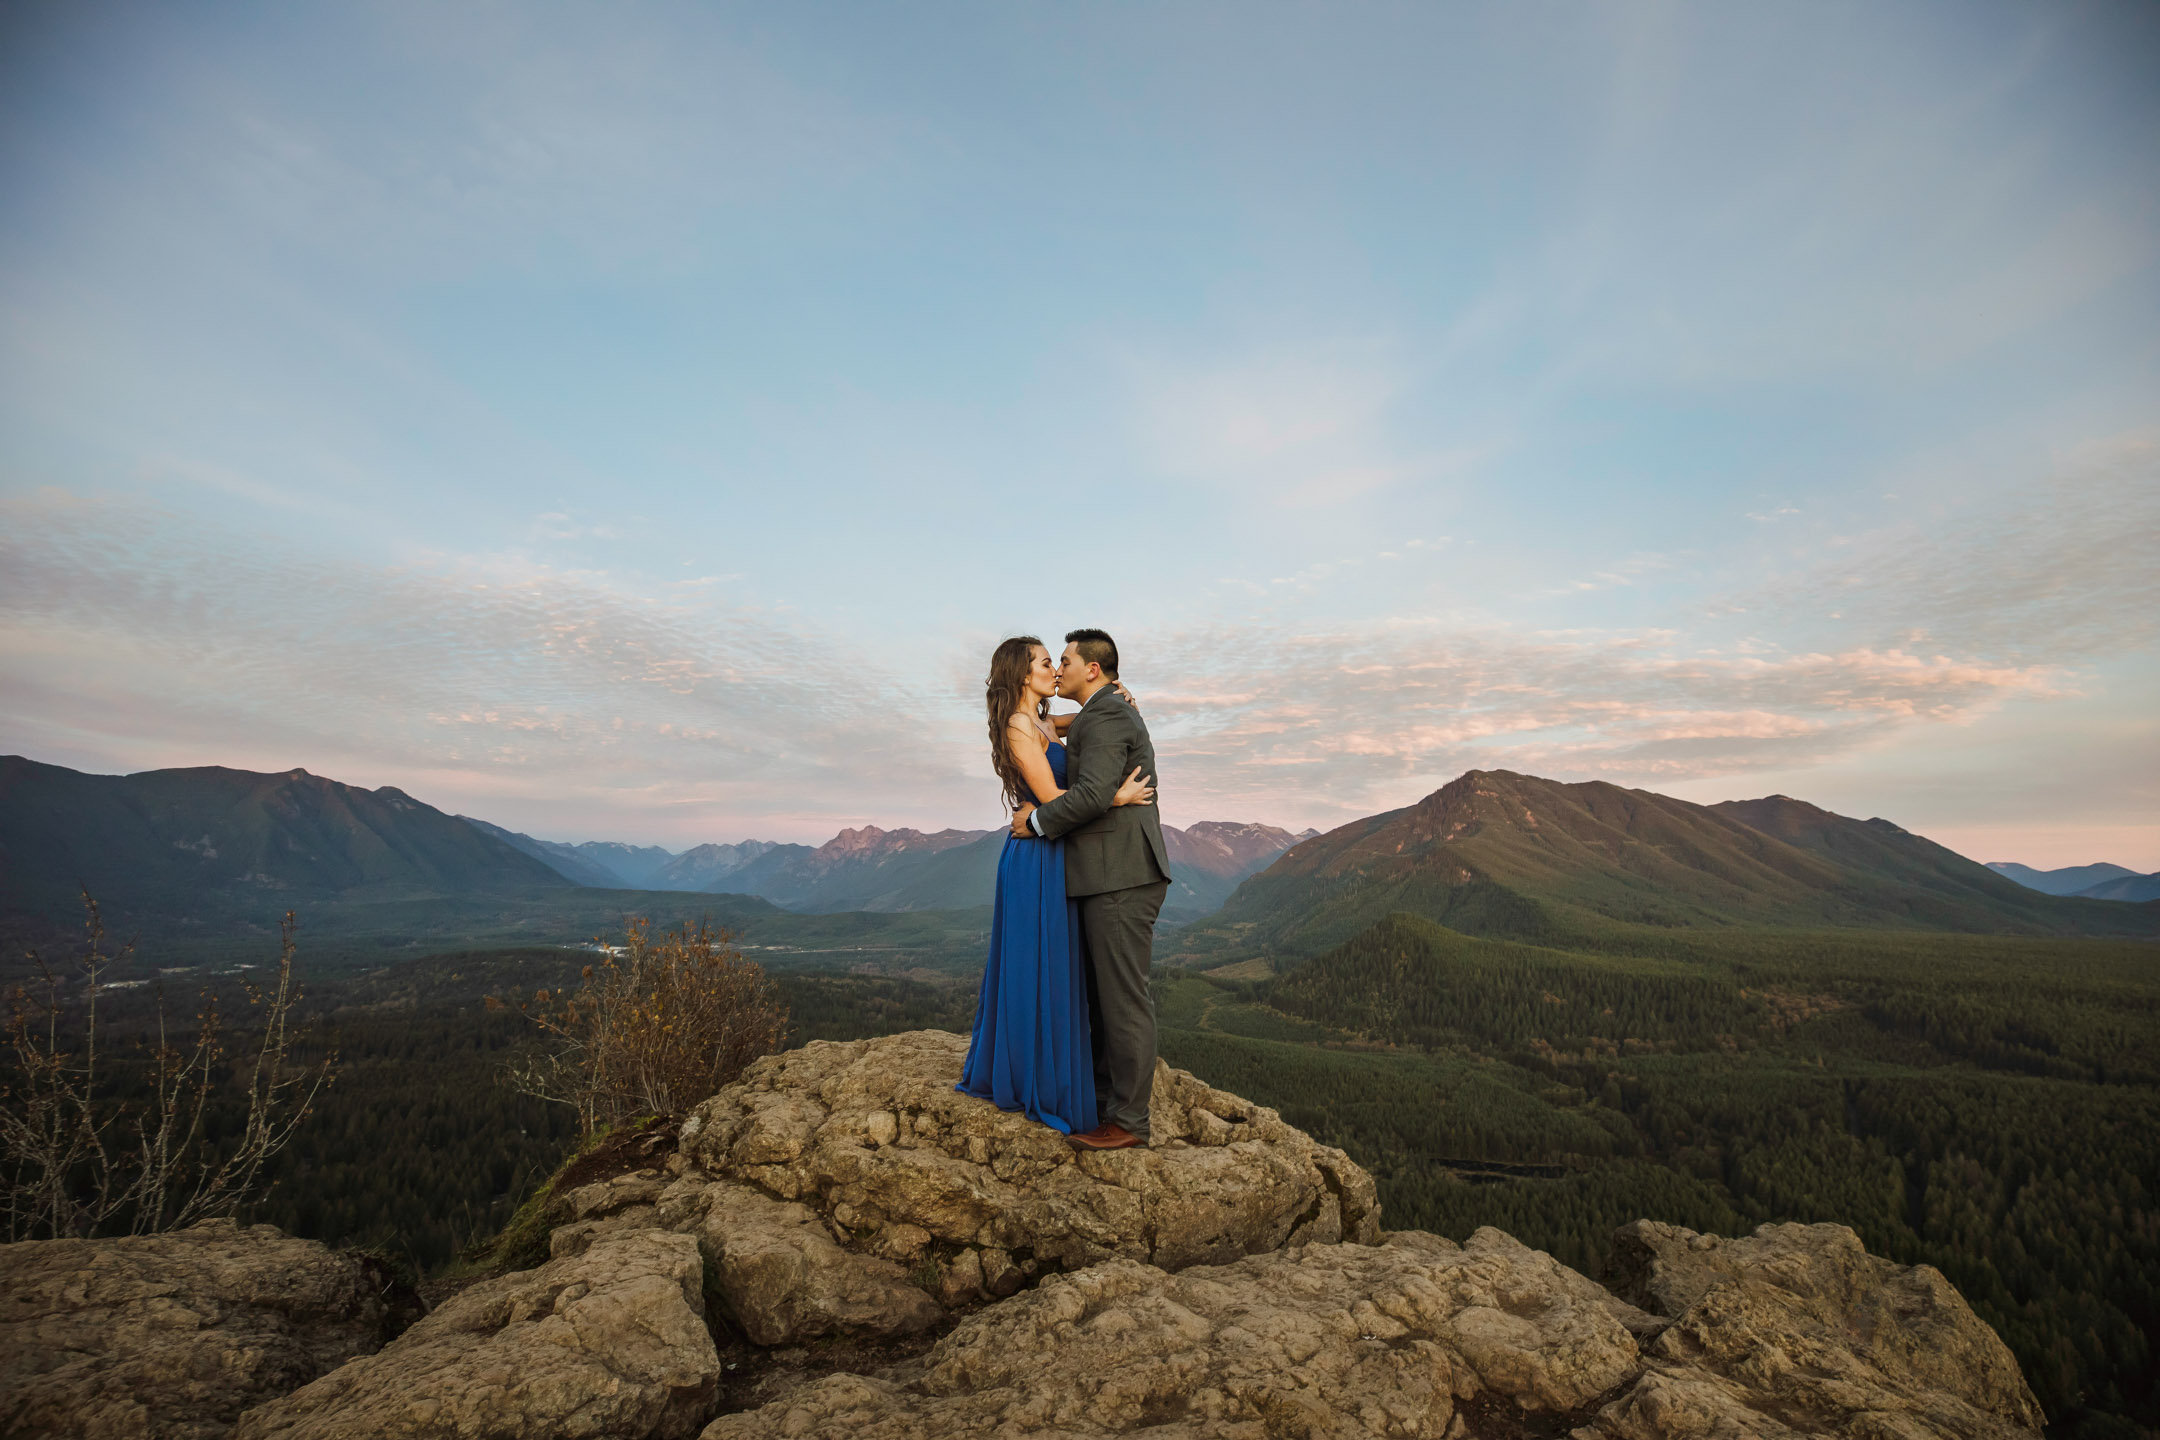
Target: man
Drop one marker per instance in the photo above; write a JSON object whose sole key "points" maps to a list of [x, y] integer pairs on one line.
{"points": [[1119, 871]]}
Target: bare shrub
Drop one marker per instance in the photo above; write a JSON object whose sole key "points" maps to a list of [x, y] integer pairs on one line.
{"points": [[75, 1159], [658, 1024]]}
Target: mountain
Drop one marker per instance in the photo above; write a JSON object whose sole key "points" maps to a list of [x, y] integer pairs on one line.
{"points": [[213, 841], [1208, 861], [2132, 887], [2070, 880], [1499, 854], [633, 866], [612, 865], [874, 869], [891, 871], [704, 867], [2087, 882], [895, 870], [564, 860]]}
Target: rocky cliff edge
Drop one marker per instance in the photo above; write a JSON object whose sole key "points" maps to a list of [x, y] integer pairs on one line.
{"points": [[844, 1246]]}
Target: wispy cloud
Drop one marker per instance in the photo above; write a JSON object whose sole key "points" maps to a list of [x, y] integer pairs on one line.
{"points": [[1339, 724], [2060, 570], [126, 631], [1942, 621], [1297, 426], [1263, 410], [1919, 222], [816, 334], [567, 129]]}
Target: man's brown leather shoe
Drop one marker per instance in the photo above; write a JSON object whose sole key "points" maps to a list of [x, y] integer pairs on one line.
{"points": [[1107, 1136]]}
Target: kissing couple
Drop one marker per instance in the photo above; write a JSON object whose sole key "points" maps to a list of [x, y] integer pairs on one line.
{"points": [[1064, 1024]]}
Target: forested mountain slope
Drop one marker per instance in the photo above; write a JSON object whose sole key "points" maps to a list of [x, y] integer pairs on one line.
{"points": [[205, 841], [2135, 889], [568, 861], [1209, 860], [1501, 854]]}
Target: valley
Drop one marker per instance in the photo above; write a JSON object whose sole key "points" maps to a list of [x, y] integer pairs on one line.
{"points": [[1550, 1008], [1987, 1105]]}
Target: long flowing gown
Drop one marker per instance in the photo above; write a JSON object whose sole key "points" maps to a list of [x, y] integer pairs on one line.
{"points": [[1031, 1047]]}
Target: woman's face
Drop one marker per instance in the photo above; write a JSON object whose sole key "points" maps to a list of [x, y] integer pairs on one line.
{"points": [[1042, 674]]}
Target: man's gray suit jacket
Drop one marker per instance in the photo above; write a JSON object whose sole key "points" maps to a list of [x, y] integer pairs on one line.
{"points": [[1107, 847]]}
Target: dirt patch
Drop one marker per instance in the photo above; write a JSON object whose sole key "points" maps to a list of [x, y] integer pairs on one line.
{"points": [[1254, 969], [751, 1375], [1490, 1416], [640, 1145]]}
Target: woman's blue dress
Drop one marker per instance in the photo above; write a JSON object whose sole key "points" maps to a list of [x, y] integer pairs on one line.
{"points": [[1031, 1048]]}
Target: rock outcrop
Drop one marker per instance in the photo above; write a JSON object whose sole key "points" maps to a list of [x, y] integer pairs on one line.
{"points": [[174, 1335], [964, 1272], [850, 1188], [610, 1341], [1318, 1340], [1797, 1330]]}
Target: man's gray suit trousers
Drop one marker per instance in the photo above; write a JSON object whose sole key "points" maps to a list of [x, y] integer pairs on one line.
{"points": [[1118, 928]]}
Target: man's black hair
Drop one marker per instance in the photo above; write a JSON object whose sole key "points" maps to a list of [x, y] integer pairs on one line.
{"points": [[1096, 648]]}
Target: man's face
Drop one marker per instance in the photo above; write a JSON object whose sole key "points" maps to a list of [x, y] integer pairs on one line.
{"points": [[1074, 674]]}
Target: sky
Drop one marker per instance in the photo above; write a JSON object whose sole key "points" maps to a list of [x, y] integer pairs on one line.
{"points": [[641, 422]]}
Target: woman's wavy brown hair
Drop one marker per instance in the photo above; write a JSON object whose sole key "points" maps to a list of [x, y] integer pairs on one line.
{"points": [[1004, 693]]}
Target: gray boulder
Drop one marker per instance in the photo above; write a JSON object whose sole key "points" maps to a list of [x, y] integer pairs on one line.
{"points": [[1797, 1330], [610, 1341], [174, 1335]]}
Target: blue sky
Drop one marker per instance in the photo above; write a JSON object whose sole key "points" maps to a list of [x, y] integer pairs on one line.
{"points": [[640, 422]]}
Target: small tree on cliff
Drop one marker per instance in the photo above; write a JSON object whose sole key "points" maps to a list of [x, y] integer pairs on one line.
{"points": [[77, 1160], [658, 1024]]}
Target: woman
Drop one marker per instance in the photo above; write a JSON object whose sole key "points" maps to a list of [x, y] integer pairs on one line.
{"points": [[1031, 1049]]}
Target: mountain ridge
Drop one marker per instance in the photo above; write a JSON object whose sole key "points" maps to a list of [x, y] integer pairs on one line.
{"points": [[2067, 880], [2131, 889], [871, 868], [1491, 853], [565, 860], [1506, 855], [168, 841], [701, 866]]}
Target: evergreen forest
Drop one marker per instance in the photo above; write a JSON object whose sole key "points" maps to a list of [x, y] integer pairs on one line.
{"points": [[1984, 1104]]}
